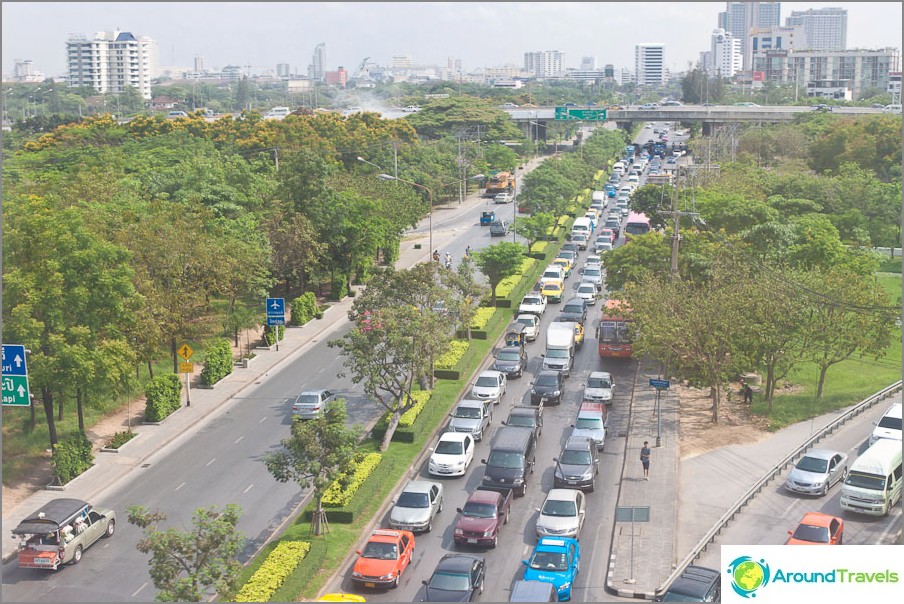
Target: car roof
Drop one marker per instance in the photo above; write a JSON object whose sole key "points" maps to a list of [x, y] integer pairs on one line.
{"points": [[454, 436], [562, 494], [821, 453], [511, 348], [592, 407], [817, 519], [457, 562], [314, 392], [548, 372], [695, 580], [471, 402], [387, 535], [490, 373], [577, 442], [601, 374], [421, 486], [554, 544], [484, 496]]}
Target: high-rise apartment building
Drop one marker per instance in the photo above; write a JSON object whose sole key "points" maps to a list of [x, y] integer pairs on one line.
{"points": [[112, 61], [317, 68], [199, 64], [740, 18], [544, 64], [588, 63], [725, 58], [649, 64], [824, 28]]}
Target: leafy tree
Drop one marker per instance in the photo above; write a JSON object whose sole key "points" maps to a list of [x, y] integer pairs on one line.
{"points": [[466, 290], [499, 261], [317, 453], [534, 228], [645, 256], [873, 142], [186, 564], [651, 200], [547, 191]]}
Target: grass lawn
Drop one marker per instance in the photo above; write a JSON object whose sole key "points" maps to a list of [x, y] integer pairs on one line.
{"points": [[846, 383]]}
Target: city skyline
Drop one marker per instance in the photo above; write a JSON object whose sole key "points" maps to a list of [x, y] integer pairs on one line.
{"points": [[478, 34]]}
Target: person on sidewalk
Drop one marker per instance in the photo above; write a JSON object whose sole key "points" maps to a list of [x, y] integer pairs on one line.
{"points": [[645, 459]]}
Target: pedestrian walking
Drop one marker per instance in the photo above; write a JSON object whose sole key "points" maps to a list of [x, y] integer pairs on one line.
{"points": [[748, 393], [645, 459]]}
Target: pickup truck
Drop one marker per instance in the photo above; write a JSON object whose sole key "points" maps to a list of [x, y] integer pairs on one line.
{"points": [[482, 516], [487, 218]]}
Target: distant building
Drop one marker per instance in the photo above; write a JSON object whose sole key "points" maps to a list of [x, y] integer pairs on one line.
{"points": [[724, 58], [336, 78], [649, 64], [283, 70], [24, 71], [741, 17], [788, 37], [317, 67], [823, 28], [199, 64], [545, 63], [588, 63], [112, 61]]}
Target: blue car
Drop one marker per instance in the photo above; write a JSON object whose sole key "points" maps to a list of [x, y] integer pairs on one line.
{"points": [[555, 560]]}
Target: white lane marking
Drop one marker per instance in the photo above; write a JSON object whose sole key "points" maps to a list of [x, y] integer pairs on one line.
{"points": [[211, 461], [180, 486], [236, 441], [249, 488], [262, 420], [143, 585]]}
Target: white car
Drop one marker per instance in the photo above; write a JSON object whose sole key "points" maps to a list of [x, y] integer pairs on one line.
{"points": [[452, 455], [599, 387], [503, 198], [562, 514], [411, 109], [490, 386], [531, 324], [592, 274], [534, 304], [593, 260], [587, 292]]}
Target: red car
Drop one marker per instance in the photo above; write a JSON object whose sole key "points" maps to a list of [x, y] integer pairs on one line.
{"points": [[383, 559], [816, 528], [609, 232], [483, 515]]}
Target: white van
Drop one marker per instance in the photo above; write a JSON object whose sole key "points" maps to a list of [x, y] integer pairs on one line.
{"points": [[892, 109], [873, 484], [619, 168], [598, 196], [582, 225], [889, 426]]}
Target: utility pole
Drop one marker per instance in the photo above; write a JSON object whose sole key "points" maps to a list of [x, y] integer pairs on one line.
{"points": [[676, 215]]}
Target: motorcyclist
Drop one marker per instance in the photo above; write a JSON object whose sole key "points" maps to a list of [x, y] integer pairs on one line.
{"points": [[436, 255], [448, 260]]}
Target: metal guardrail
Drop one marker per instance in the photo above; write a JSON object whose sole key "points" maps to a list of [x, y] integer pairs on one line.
{"points": [[753, 491]]}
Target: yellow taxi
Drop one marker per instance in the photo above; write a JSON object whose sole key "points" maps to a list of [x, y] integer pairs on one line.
{"points": [[565, 263], [340, 597], [553, 290]]}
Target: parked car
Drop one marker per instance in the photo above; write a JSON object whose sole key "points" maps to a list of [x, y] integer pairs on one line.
{"points": [[511, 360], [417, 505], [383, 559], [695, 584], [577, 465], [562, 514], [452, 455], [599, 387], [310, 403], [593, 260], [531, 324], [534, 304], [547, 388], [482, 516], [816, 528], [587, 292], [457, 578], [472, 417], [554, 560], [489, 386], [60, 531], [602, 245], [498, 229], [817, 471], [526, 417]]}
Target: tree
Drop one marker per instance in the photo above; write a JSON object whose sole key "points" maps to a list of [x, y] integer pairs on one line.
{"points": [[467, 292], [547, 191], [499, 261], [318, 452], [185, 564], [535, 228]]}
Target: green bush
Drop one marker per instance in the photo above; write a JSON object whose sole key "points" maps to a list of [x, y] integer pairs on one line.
{"points": [[120, 438], [336, 496], [304, 307], [407, 420], [218, 362], [71, 456], [270, 334], [339, 288], [278, 565], [163, 394], [452, 356], [482, 316]]}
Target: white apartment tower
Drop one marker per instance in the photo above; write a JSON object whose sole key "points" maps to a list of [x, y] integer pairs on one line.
{"points": [[112, 61], [740, 18], [725, 58], [317, 68], [824, 28], [649, 64], [544, 64]]}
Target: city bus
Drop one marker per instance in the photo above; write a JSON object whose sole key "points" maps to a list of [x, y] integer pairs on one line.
{"points": [[637, 224], [614, 330]]}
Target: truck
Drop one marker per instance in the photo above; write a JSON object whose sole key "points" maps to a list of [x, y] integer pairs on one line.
{"points": [[483, 514], [560, 344], [501, 182], [60, 531], [487, 218]]}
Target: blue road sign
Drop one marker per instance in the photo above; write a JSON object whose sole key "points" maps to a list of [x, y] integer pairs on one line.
{"points": [[271, 321], [14, 359], [276, 307], [661, 384]]}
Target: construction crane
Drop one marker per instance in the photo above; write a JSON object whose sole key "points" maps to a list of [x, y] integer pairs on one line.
{"points": [[360, 68]]}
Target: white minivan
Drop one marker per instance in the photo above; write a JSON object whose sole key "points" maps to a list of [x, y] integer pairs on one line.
{"points": [[619, 168], [873, 484], [889, 426], [582, 225]]}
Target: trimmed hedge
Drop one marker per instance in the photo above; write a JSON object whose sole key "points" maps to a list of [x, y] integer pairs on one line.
{"points": [[278, 565], [448, 360], [304, 307], [336, 496], [71, 456], [403, 432], [163, 394], [505, 287], [217, 363], [482, 317]]}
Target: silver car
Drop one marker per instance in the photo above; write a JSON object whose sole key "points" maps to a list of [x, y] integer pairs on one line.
{"points": [[490, 386], [562, 514], [817, 471], [418, 503], [310, 403]]}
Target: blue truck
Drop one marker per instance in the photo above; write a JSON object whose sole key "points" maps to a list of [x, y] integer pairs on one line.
{"points": [[487, 218]]}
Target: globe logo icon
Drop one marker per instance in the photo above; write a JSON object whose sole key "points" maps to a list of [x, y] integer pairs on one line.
{"points": [[748, 575]]}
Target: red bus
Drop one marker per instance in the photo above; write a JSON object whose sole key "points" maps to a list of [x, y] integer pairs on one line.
{"points": [[614, 333], [637, 224]]}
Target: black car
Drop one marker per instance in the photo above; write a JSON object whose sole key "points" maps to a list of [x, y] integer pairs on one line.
{"points": [[511, 360], [574, 310], [695, 584], [526, 417], [547, 388], [457, 578]]}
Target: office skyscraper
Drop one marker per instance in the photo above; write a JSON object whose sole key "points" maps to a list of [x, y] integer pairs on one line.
{"points": [[824, 28], [649, 64]]}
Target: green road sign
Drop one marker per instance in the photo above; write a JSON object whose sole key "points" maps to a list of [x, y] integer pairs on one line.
{"points": [[15, 391], [591, 115]]}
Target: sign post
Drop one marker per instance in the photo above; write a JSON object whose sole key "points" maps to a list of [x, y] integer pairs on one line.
{"points": [[659, 385], [590, 115], [15, 377], [276, 315], [634, 514], [187, 368]]}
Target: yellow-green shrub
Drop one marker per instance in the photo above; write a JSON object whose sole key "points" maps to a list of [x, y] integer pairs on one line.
{"points": [[482, 317], [336, 497], [539, 247], [506, 286], [279, 564], [450, 358]]}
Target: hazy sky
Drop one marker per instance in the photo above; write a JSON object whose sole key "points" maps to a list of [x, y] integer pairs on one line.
{"points": [[263, 34]]}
